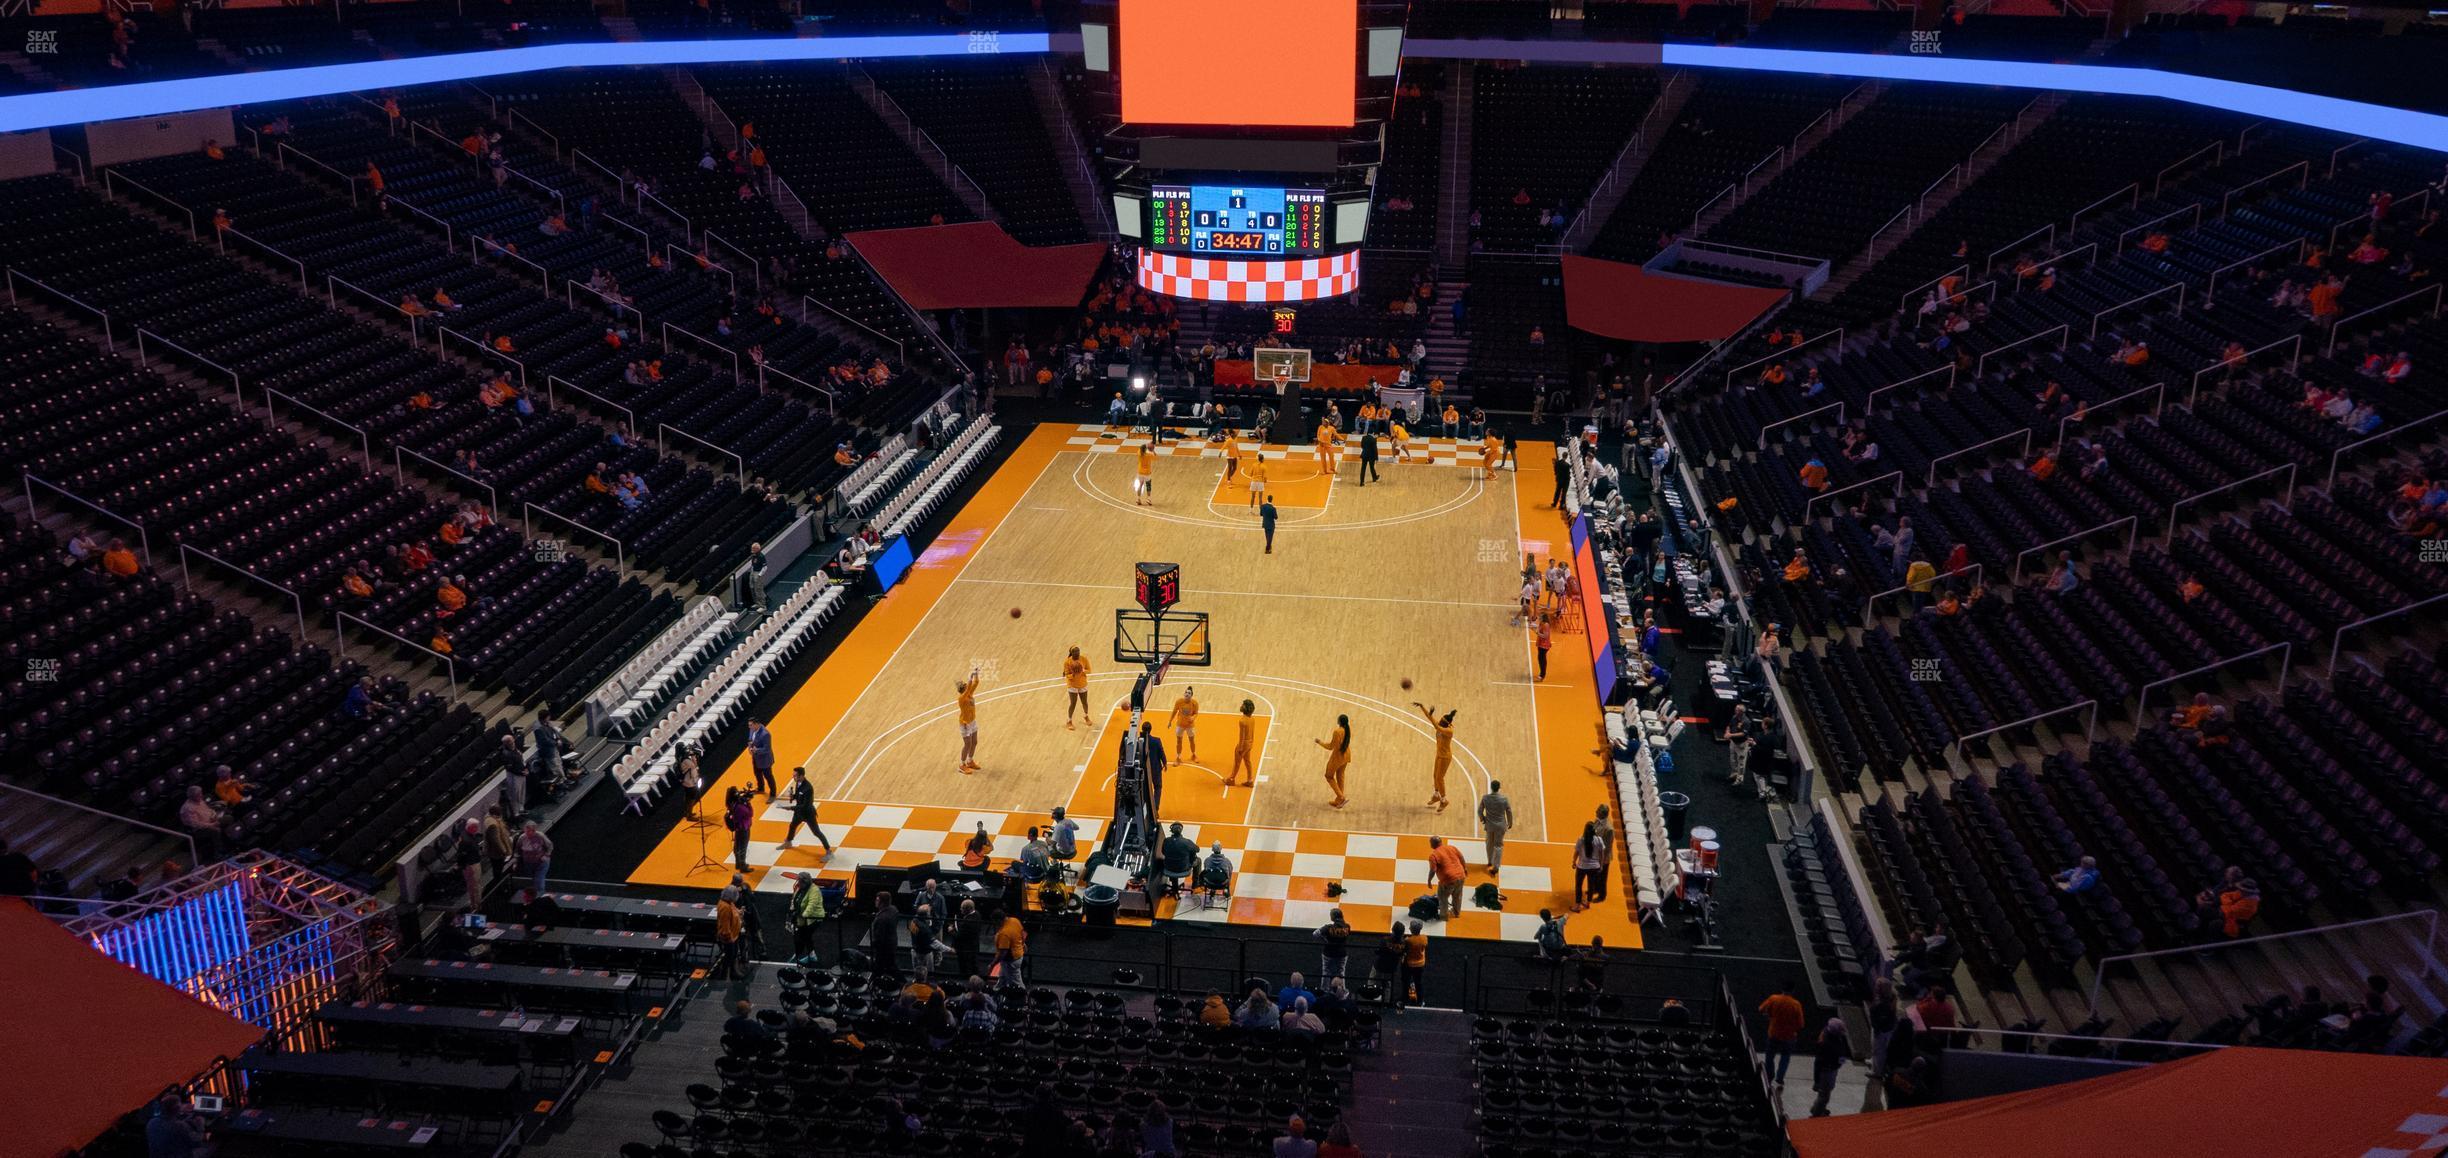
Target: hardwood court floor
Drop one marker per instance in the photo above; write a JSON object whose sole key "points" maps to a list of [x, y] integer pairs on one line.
{"points": [[1413, 576]]}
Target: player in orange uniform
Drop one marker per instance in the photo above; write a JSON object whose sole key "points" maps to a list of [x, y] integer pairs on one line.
{"points": [[1184, 722], [1326, 446], [1444, 753], [1244, 763], [1075, 687], [1338, 758], [1143, 488], [1256, 473], [968, 721]]}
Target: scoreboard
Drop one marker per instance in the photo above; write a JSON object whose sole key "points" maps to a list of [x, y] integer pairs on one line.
{"points": [[1232, 220]]}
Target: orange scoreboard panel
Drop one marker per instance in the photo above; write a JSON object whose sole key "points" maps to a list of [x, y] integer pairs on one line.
{"points": [[1239, 62]]}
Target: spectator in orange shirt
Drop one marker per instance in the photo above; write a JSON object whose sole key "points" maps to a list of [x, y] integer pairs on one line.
{"points": [[2044, 467], [1797, 568], [1814, 475], [2190, 716], [354, 589], [450, 598], [118, 560], [212, 149], [221, 220], [441, 641], [415, 558], [2324, 297], [1445, 872], [1784, 1014], [374, 179], [502, 343], [452, 533]]}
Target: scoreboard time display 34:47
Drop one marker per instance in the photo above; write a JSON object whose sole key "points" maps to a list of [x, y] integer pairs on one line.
{"points": [[1236, 219]]}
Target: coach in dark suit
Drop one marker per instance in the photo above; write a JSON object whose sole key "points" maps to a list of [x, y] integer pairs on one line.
{"points": [[1368, 458], [1266, 521]]}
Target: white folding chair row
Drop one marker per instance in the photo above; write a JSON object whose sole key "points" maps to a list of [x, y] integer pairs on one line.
{"points": [[709, 706], [859, 476], [943, 485], [895, 513], [867, 496], [674, 672]]}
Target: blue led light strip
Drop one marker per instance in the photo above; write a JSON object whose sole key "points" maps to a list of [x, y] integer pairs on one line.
{"points": [[2355, 118], [154, 98]]}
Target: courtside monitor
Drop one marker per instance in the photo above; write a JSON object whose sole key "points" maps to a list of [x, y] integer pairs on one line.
{"points": [[1236, 220], [891, 564], [1257, 63]]}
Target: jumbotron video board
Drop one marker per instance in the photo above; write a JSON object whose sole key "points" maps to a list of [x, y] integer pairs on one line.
{"points": [[1236, 220]]}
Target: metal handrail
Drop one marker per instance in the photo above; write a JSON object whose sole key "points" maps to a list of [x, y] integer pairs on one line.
{"points": [[331, 291], [450, 236], [1787, 352], [2024, 434], [399, 467], [2090, 708], [1905, 214], [671, 258], [1691, 243], [2135, 189], [2297, 245], [2286, 663], [2194, 209], [365, 441], [442, 344], [2338, 640], [2341, 151], [688, 230], [516, 116], [188, 837], [829, 396], [2296, 339], [2303, 177], [1954, 174], [1824, 114], [628, 416], [2050, 230], [756, 273], [2287, 469], [1870, 604], [2430, 937], [1705, 205], [476, 253], [1893, 476], [2340, 453], [1870, 404], [1838, 407], [2178, 286], [13, 275], [620, 551], [187, 580], [341, 620], [569, 293], [83, 177], [2218, 148], [1770, 159], [2433, 289], [144, 540], [229, 231], [144, 357], [2065, 336], [809, 299], [108, 190], [1905, 302], [738, 463], [2062, 258], [620, 190], [286, 150], [2084, 413], [645, 239], [2416, 201], [701, 339], [2246, 133], [2133, 524]]}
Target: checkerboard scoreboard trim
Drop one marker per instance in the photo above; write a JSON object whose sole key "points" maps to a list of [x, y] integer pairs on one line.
{"points": [[1226, 280]]}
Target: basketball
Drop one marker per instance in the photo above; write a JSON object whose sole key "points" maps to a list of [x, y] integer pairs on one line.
{"points": [[1406, 684], [1015, 613]]}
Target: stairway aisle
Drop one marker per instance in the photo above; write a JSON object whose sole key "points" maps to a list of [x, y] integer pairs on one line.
{"points": [[1414, 1097]]}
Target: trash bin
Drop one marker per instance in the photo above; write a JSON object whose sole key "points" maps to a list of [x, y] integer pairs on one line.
{"points": [[1677, 808], [1099, 904]]}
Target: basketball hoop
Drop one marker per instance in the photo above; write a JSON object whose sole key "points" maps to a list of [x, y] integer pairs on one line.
{"points": [[1283, 378]]}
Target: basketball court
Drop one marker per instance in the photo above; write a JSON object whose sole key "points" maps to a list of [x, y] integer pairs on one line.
{"points": [[1413, 576]]}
